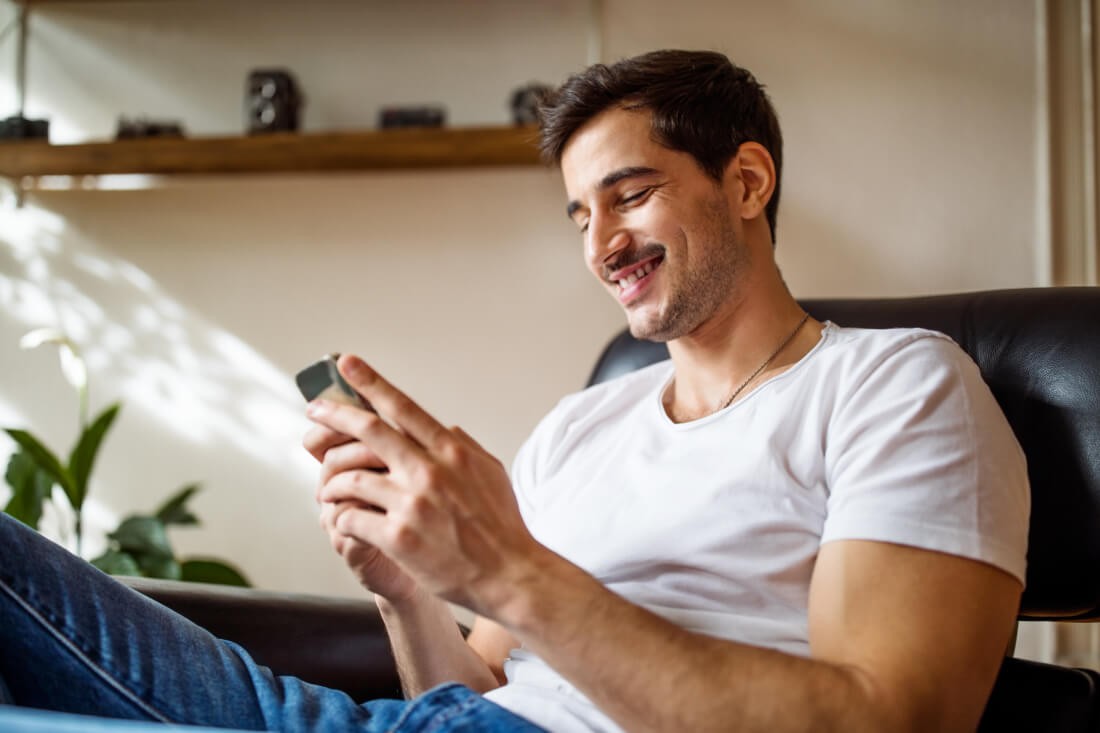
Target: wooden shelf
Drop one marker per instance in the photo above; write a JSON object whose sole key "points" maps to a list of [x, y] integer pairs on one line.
{"points": [[278, 153]]}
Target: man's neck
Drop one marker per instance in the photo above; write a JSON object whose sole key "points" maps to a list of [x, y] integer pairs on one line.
{"points": [[733, 348]]}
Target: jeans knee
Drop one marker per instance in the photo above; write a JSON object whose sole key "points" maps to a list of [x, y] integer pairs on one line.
{"points": [[16, 539]]}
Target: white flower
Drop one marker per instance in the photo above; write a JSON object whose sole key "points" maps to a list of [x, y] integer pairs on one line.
{"points": [[39, 336], [72, 365]]}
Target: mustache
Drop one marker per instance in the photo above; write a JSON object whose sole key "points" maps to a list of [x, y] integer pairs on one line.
{"points": [[627, 259]]}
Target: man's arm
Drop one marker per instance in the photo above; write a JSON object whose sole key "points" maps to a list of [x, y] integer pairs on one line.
{"points": [[429, 649], [901, 639], [493, 644]]}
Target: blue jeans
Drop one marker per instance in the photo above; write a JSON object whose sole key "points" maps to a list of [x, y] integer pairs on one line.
{"points": [[74, 640]]}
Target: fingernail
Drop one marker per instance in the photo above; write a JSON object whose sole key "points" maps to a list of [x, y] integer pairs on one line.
{"points": [[315, 408]]}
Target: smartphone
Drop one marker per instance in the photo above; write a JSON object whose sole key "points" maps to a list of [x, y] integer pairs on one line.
{"points": [[322, 380]]}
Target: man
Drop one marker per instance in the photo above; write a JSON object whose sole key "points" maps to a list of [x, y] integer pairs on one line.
{"points": [[788, 526]]}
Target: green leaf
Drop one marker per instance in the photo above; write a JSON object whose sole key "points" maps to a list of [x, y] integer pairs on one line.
{"points": [[212, 571], [30, 489], [115, 562], [46, 460], [26, 506], [174, 511], [21, 469], [155, 566], [84, 453], [141, 535]]}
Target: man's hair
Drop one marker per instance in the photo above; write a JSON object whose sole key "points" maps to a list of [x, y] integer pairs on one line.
{"points": [[702, 105]]}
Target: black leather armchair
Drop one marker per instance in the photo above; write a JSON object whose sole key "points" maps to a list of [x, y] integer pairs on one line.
{"points": [[1039, 350]]}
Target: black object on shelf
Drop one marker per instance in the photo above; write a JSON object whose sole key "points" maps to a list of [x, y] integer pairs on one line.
{"points": [[524, 103], [272, 101], [20, 128], [423, 116], [141, 128]]}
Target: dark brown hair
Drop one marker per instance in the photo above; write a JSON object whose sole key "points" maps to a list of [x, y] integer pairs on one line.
{"points": [[702, 105]]}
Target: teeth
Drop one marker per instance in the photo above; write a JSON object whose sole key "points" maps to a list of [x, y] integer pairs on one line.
{"points": [[636, 275]]}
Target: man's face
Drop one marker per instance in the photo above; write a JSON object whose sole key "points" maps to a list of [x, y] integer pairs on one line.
{"points": [[658, 232]]}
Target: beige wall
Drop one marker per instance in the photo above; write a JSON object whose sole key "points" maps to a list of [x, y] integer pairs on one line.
{"points": [[911, 140]]}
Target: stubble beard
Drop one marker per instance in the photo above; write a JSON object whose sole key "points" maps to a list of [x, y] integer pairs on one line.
{"points": [[697, 292]]}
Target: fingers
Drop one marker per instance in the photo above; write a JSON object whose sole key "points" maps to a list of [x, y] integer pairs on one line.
{"points": [[368, 489], [320, 438], [391, 402], [349, 456], [362, 527], [330, 514], [391, 447], [358, 524]]}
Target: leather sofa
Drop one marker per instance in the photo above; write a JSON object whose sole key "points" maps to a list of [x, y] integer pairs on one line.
{"points": [[1038, 349]]}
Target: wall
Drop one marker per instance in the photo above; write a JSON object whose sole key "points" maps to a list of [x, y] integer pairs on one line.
{"points": [[909, 127], [911, 142]]}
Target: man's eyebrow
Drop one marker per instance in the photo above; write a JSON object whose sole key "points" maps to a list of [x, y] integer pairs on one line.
{"points": [[634, 171]]}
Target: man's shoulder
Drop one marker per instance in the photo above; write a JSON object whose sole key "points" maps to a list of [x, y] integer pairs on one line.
{"points": [[591, 411], [858, 349], [617, 391], [872, 367], [872, 341]]}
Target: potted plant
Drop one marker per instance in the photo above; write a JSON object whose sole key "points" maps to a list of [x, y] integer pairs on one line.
{"points": [[37, 476]]}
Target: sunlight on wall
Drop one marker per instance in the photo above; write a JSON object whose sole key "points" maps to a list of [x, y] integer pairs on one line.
{"points": [[121, 319], [185, 380], [9, 415]]}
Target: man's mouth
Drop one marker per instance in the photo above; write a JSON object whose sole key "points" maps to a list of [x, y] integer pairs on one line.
{"points": [[627, 278], [636, 275]]}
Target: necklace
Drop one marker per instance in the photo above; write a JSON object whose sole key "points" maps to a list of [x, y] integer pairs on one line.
{"points": [[762, 367]]}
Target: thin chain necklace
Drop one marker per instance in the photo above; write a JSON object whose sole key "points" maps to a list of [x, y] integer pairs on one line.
{"points": [[762, 367]]}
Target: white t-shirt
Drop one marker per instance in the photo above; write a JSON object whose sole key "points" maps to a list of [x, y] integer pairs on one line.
{"points": [[715, 524]]}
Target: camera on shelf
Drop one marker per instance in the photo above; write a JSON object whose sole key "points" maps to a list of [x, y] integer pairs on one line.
{"points": [[272, 101], [525, 103], [20, 128]]}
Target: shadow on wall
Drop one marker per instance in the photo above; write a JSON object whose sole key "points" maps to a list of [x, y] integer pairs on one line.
{"points": [[192, 393]]}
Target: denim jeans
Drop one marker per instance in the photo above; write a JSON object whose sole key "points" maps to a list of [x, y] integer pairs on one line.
{"points": [[74, 640]]}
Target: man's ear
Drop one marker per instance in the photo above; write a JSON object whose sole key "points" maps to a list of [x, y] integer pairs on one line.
{"points": [[754, 168]]}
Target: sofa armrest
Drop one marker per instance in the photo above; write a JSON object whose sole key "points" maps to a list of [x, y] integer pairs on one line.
{"points": [[1042, 697], [334, 642]]}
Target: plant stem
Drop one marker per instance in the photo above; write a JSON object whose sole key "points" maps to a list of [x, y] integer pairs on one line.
{"points": [[78, 520], [82, 396]]}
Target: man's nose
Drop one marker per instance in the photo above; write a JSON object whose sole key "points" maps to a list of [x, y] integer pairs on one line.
{"points": [[606, 239]]}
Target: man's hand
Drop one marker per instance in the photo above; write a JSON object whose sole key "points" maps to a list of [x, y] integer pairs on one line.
{"points": [[336, 453], [376, 572], [442, 509], [427, 645]]}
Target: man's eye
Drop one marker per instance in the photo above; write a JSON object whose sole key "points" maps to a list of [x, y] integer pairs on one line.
{"points": [[635, 198]]}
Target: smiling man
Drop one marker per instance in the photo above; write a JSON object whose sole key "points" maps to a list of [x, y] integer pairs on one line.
{"points": [[787, 526]]}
